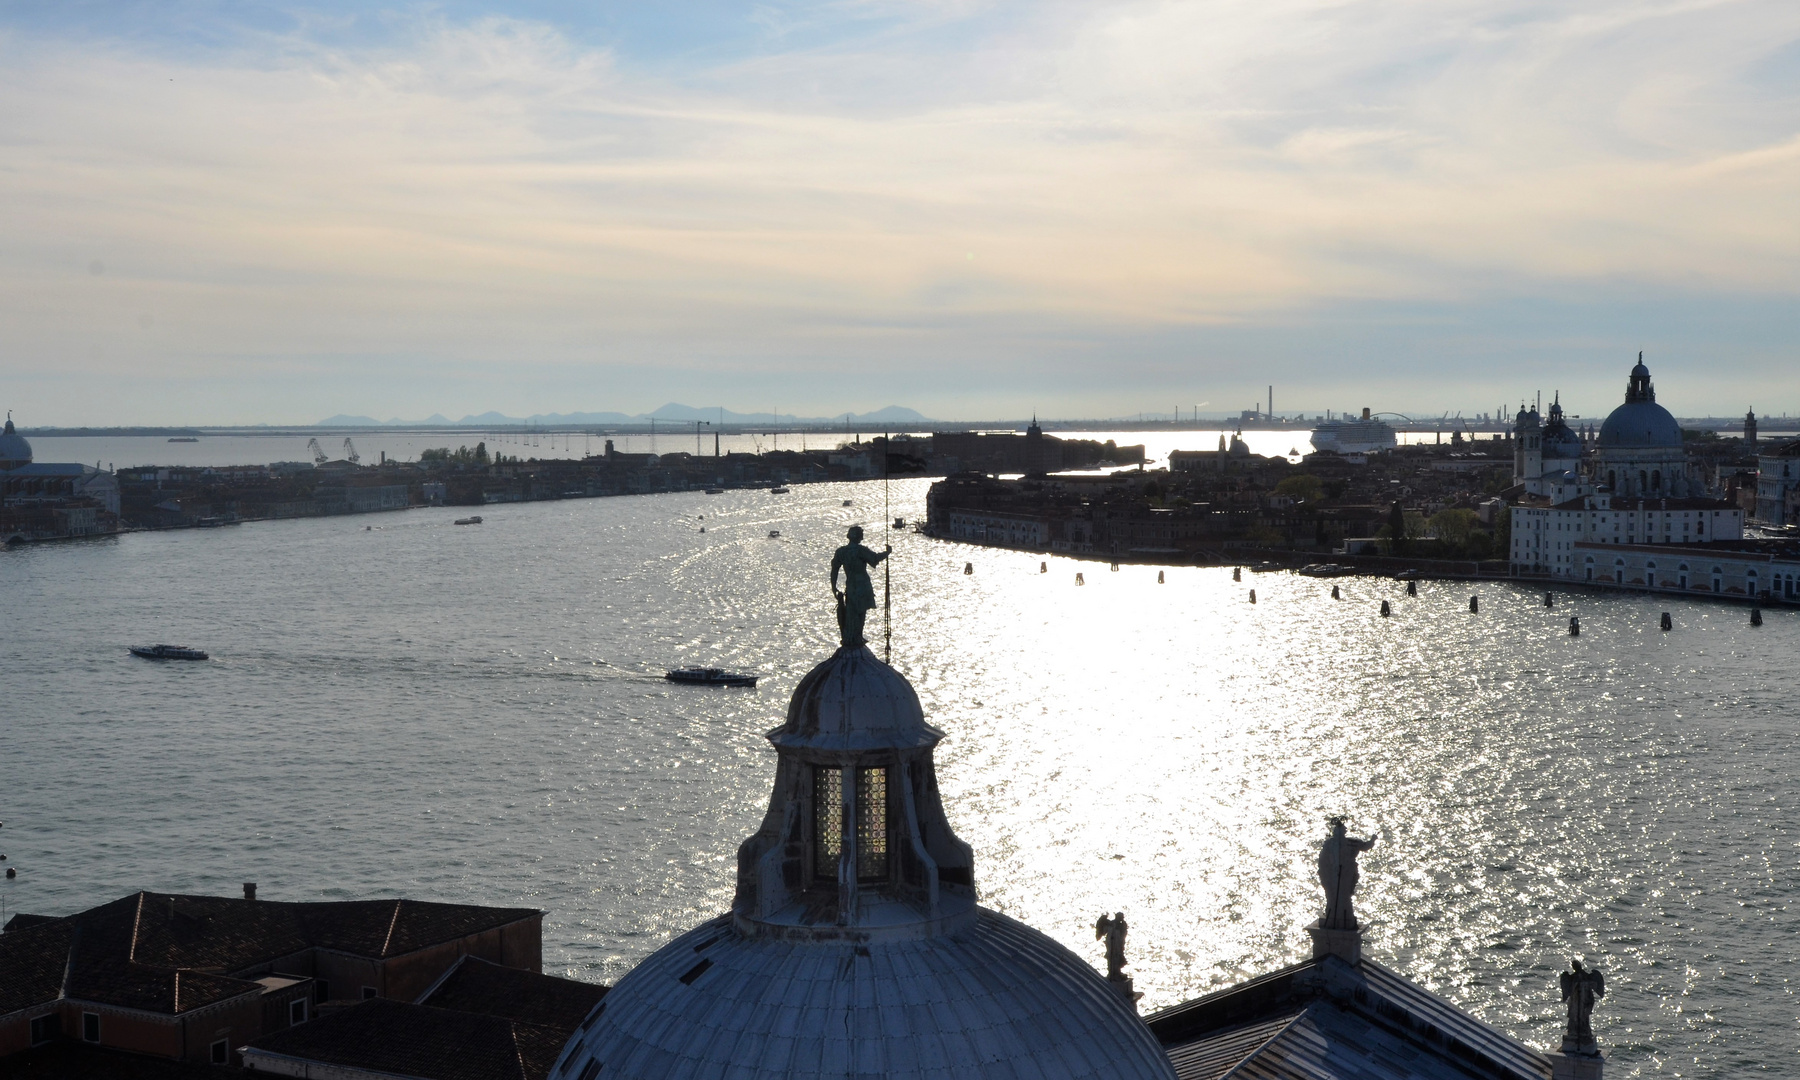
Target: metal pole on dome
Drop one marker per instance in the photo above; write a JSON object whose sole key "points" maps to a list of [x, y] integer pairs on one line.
{"points": [[887, 564]]}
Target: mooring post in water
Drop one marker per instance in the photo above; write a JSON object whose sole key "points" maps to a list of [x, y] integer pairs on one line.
{"points": [[1574, 626], [1079, 580], [1667, 623], [1335, 595], [1237, 573], [1159, 577], [1115, 567], [1474, 603], [1043, 568], [1549, 600], [1412, 588], [1756, 616], [1385, 610], [1253, 596], [968, 568]]}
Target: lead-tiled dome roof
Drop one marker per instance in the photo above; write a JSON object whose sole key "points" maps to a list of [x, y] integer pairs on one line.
{"points": [[995, 1001]]}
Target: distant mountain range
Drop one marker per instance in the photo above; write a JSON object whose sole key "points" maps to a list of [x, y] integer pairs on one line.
{"points": [[673, 412]]}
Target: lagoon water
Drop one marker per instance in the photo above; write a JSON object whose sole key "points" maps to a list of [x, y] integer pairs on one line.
{"points": [[401, 706]]}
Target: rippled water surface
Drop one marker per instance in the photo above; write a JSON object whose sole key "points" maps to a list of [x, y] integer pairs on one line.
{"points": [[475, 714]]}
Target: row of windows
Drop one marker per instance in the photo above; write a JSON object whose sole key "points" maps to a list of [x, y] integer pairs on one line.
{"points": [[48, 1028], [869, 811]]}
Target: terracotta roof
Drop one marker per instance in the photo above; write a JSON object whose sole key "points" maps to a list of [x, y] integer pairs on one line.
{"points": [[70, 1060], [1330, 1019], [173, 954], [477, 986], [32, 962], [411, 1040]]}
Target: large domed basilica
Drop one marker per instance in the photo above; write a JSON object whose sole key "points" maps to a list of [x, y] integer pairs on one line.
{"points": [[855, 946], [1640, 452]]}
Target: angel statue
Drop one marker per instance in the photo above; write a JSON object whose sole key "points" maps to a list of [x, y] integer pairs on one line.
{"points": [[1112, 929], [1580, 987]]}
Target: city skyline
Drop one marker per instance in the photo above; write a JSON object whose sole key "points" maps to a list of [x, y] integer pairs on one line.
{"points": [[261, 215]]}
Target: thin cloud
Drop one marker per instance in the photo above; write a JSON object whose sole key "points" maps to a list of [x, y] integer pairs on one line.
{"points": [[499, 190]]}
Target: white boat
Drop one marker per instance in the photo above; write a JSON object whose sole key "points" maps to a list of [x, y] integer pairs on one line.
{"points": [[476, 520], [1354, 436]]}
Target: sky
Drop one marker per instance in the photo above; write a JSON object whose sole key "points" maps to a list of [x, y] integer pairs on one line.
{"points": [[255, 212]]}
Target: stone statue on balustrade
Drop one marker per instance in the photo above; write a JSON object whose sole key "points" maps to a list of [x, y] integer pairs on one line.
{"points": [[1338, 873], [1338, 933], [1581, 987]]}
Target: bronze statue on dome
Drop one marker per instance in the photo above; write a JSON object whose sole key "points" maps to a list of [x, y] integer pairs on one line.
{"points": [[857, 598]]}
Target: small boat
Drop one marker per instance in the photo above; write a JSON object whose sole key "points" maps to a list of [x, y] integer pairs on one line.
{"points": [[476, 520], [847, 502], [899, 523], [1266, 568], [709, 676], [778, 491], [184, 438], [774, 534], [1408, 575], [167, 652], [715, 491], [1326, 570]]}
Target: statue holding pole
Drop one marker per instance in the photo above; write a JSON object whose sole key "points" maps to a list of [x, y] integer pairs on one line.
{"points": [[857, 598]]}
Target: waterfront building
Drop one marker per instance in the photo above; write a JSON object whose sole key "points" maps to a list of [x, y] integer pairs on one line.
{"points": [[1639, 489], [193, 978], [1548, 532], [1778, 485], [45, 500]]}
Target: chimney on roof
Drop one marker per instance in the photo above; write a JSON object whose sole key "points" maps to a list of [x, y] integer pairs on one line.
{"points": [[249, 890]]}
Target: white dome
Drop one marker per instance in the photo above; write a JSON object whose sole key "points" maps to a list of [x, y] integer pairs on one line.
{"points": [[995, 1001]]}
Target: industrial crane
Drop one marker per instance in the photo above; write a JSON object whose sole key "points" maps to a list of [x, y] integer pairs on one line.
{"points": [[350, 453], [320, 457]]}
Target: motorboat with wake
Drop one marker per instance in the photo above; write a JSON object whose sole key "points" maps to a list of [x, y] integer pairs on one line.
{"points": [[168, 652], [709, 676]]}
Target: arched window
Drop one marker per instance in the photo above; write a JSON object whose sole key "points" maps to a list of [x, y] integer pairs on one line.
{"points": [[1643, 481], [1619, 571], [1656, 480], [1612, 479]]}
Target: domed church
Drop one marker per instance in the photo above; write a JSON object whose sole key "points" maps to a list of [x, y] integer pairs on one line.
{"points": [[1640, 452]]}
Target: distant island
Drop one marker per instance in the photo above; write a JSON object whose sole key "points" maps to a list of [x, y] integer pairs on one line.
{"points": [[673, 412]]}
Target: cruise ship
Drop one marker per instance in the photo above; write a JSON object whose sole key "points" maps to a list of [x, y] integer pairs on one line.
{"points": [[1354, 436]]}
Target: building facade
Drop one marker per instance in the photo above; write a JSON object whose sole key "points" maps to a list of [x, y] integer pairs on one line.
{"points": [[1778, 485]]}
